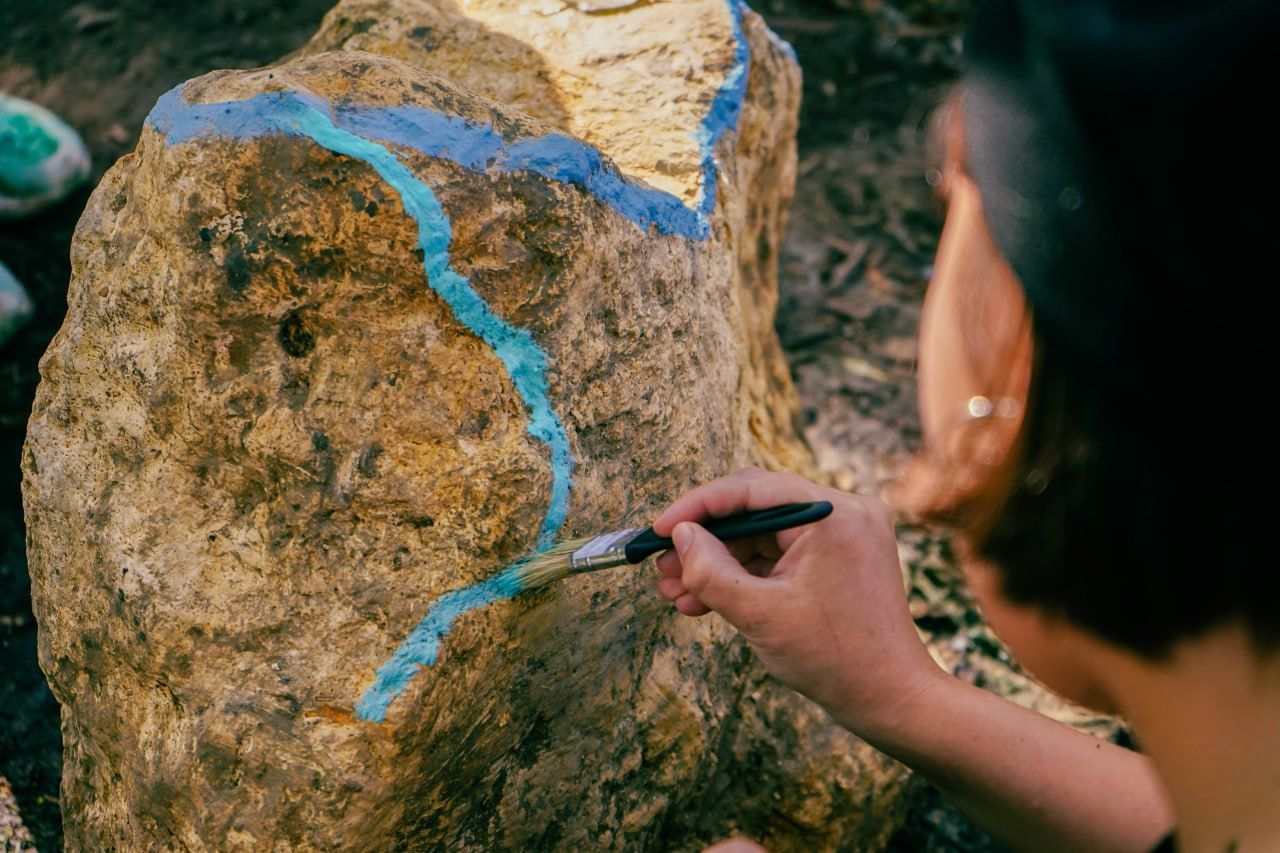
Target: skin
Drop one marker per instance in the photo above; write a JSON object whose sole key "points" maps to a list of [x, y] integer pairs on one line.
{"points": [[825, 610]]}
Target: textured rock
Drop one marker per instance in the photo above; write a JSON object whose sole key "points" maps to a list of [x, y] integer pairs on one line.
{"points": [[344, 339]]}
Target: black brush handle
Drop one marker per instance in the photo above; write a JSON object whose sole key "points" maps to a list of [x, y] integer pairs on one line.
{"points": [[739, 526]]}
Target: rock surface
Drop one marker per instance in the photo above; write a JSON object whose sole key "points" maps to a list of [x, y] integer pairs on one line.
{"points": [[345, 337]]}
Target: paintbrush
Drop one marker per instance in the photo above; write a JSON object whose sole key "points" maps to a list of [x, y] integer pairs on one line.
{"points": [[622, 547]]}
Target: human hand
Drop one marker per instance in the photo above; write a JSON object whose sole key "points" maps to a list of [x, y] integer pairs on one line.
{"points": [[823, 606]]}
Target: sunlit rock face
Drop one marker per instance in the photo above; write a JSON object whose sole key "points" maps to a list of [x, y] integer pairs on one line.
{"points": [[346, 337]]}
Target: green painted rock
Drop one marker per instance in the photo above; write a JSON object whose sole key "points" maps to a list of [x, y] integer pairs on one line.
{"points": [[41, 158]]}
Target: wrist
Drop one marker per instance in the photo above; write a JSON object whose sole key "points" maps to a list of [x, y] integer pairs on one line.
{"points": [[893, 722]]}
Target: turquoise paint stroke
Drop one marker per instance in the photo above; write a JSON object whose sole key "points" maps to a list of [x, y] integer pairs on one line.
{"points": [[422, 647], [477, 147], [526, 364], [295, 114], [525, 361], [349, 129]]}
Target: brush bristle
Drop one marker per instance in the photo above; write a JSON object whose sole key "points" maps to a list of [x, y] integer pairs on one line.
{"points": [[549, 566]]}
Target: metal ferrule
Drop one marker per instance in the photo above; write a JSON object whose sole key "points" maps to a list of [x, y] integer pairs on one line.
{"points": [[603, 552]]}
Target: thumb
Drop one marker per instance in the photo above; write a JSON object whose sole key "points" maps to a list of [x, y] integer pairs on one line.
{"points": [[712, 574]]}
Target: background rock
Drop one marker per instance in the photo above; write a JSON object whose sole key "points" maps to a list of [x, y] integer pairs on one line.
{"points": [[14, 836], [15, 304], [263, 445]]}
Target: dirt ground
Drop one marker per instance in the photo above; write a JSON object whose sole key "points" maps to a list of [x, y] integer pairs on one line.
{"points": [[863, 230]]}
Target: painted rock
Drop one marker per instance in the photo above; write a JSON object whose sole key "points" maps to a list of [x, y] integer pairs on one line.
{"points": [[346, 338], [41, 158]]}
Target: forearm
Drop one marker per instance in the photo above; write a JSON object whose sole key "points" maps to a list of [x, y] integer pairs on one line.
{"points": [[824, 610], [1031, 782]]}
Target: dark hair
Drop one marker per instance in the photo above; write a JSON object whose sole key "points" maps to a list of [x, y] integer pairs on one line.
{"points": [[1118, 182], [1132, 498], [1125, 512]]}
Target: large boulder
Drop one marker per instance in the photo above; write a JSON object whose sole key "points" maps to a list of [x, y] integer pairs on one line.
{"points": [[345, 338]]}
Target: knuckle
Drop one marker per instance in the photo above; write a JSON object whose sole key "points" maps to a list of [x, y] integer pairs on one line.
{"points": [[802, 487], [697, 575], [861, 512], [879, 511], [787, 478], [853, 510]]}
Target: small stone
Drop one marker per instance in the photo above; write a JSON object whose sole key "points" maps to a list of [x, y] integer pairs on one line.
{"points": [[41, 158], [16, 307]]}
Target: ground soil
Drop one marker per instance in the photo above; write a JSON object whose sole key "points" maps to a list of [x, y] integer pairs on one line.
{"points": [[862, 234]]}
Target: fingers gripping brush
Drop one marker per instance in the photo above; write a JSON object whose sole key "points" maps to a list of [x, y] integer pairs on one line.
{"points": [[576, 556]]}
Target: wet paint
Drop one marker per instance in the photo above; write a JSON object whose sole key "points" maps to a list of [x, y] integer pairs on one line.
{"points": [[302, 114], [422, 647], [478, 147], [356, 131]]}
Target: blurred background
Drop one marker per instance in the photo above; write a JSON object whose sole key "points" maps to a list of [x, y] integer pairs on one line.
{"points": [[861, 237]]}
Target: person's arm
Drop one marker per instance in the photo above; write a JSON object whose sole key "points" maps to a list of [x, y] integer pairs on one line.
{"points": [[824, 608], [1031, 782]]}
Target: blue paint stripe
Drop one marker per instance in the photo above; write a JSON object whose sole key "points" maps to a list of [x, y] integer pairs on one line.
{"points": [[481, 147], [725, 110], [526, 363], [422, 647], [349, 129], [478, 147]]}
